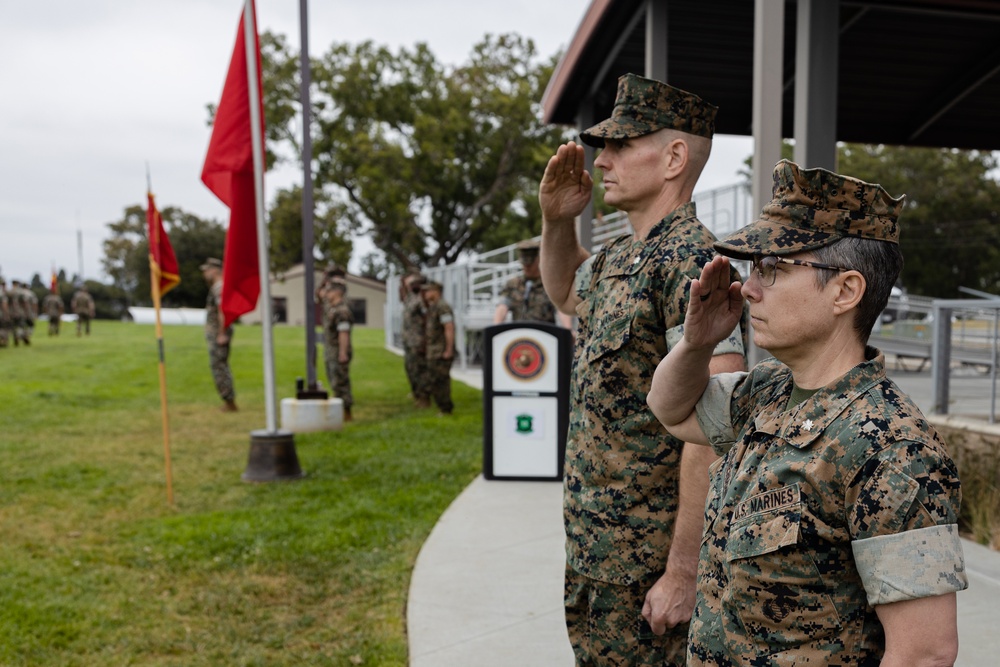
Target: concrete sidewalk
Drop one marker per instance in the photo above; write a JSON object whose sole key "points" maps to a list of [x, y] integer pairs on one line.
{"points": [[487, 586]]}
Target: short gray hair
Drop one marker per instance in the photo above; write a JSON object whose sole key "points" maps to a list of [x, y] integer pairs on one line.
{"points": [[880, 262]]}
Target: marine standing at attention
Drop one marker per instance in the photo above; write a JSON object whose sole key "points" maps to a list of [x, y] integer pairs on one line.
{"points": [[217, 336], [634, 496]]}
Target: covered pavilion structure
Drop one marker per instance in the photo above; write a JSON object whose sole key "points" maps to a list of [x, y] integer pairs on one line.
{"points": [[901, 72]]}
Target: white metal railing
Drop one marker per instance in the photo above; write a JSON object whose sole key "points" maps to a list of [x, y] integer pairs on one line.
{"points": [[954, 335]]}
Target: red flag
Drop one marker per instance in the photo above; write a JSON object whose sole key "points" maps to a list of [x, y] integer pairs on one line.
{"points": [[228, 172], [161, 253], [54, 284]]}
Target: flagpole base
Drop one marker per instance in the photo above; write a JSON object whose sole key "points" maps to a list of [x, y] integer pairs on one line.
{"points": [[310, 415], [272, 457]]}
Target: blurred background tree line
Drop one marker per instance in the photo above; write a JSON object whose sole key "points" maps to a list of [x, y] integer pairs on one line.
{"points": [[431, 163]]}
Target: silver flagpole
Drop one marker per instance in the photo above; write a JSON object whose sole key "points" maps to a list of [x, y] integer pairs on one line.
{"points": [[270, 395], [272, 452], [307, 201]]}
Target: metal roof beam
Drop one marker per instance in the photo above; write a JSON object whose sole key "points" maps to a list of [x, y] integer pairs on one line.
{"points": [[951, 9], [623, 37], [973, 77]]}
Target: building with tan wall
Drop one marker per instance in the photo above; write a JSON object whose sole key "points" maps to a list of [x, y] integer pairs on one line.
{"points": [[366, 298]]}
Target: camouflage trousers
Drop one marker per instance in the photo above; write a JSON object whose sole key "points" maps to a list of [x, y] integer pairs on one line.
{"points": [[439, 383], [416, 373], [338, 375], [54, 326], [23, 328], [606, 627], [82, 322], [4, 334], [218, 358]]}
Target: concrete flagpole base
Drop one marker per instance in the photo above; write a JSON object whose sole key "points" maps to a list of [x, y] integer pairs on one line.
{"points": [[307, 415]]}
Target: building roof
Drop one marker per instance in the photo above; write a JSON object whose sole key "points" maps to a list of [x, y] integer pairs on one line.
{"points": [[911, 72], [298, 270]]}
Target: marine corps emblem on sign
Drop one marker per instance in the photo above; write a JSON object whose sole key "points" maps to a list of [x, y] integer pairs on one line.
{"points": [[524, 359]]}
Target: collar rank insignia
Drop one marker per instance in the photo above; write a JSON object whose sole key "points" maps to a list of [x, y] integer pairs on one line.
{"points": [[807, 425]]}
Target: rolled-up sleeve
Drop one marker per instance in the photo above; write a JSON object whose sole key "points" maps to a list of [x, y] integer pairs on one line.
{"points": [[913, 564], [713, 411]]}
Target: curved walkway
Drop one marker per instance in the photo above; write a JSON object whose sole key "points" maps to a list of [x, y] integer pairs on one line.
{"points": [[487, 586]]}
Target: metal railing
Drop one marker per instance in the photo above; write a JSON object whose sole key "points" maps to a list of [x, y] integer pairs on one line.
{"points": [[953, 335]]}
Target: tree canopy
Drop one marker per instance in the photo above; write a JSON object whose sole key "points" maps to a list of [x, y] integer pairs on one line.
{"points": [[126, 255], [331, 240], [430, 161]]}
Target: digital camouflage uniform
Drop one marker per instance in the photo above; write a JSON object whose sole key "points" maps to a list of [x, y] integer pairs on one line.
{"points": [[415, 346], [14, 312], [816, 514], [824, 509], [335, 320], [5, 318], [331, 274], [622, 467], [19, 315], [218, 355], [83, 305], [526, 299], [438, 369], [54, 308], [30, 309]]}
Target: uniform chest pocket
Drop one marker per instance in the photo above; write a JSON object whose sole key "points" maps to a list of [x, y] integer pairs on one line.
{"points": [[608, 336], [776, 596]]}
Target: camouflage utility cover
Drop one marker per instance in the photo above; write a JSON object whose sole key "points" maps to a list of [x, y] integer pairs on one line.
{"points": [[816, 514], [527, 300], [812, 208], [644, 106], [622, 468]]}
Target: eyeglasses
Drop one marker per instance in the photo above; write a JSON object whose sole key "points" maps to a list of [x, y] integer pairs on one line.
{"points": [[766, 267]]}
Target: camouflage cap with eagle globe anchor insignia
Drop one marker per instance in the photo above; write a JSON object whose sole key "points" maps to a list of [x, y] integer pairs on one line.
{"points": [[644, 106], [812, 208]]}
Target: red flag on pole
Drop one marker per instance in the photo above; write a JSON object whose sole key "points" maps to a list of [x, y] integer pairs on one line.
{"points": [[54, 283], [161, 254], [229, 173]]}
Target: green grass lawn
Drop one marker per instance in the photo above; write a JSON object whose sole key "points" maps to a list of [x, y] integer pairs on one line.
{"points": [[97, 569]]}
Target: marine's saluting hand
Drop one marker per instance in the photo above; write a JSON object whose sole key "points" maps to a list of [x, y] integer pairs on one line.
{"points": [[715, 305], [566, 186]]}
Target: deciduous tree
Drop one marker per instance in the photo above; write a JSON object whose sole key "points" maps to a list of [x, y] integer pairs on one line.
{"points": [[126, 255], [429, 161]]}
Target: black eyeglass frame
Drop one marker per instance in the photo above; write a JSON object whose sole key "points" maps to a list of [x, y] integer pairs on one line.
{"points": [[772, 274]]}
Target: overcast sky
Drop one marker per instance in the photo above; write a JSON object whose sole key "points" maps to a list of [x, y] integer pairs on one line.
{"points": [[95, 89]]}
